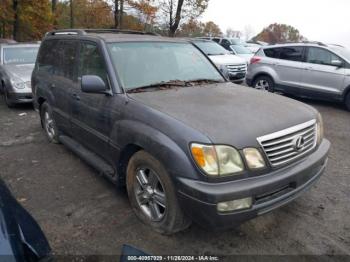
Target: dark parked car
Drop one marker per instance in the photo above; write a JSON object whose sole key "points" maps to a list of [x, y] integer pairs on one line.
{"points": [[21, 238], [16, 66], [155, 114]]}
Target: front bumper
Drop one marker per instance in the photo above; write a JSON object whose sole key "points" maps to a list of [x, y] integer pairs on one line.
{"points": [[19, 98], [199, 199]]}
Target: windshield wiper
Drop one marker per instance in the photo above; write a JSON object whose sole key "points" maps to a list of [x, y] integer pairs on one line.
{"points": [[160, 85]]}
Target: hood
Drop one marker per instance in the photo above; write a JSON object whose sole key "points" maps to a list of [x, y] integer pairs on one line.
{"points": [[23, 72], [227, 59], [227, 113], [246, 57]]}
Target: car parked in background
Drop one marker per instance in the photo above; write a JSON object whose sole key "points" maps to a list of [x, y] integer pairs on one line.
{"points": [[313, 70], [16, 67], [233, 67], [155, 115], [243, 52]]}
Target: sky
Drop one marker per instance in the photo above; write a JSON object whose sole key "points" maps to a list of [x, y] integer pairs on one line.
{"points": [[327, 21]]}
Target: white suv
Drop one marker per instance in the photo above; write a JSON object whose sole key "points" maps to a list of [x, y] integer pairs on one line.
{"points": [[312, 70]]}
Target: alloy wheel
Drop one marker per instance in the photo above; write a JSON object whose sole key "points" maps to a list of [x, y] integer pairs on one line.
{"points": [[262, 85], [49, 125], [150, 194]]}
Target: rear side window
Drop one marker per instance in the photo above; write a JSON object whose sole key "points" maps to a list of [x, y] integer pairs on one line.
{"points": [[59, 58], [291, 53], [47, 56], [271, 52], [92, 62]]}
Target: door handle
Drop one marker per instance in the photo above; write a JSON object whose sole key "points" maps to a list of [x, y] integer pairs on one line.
{"points": [[76, 97]]}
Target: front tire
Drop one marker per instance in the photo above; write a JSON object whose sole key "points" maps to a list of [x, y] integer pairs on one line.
{"points": [[264, 83], [152, 195], [48, 123]]}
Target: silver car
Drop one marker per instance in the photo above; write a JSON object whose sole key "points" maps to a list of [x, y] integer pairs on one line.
{"points": [[16, 66], [313, 70]]}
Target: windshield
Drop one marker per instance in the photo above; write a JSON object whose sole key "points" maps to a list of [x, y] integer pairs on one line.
{"points": [[342, 51], [142, 64], [241, 50], [20, 55], [211, 48]]}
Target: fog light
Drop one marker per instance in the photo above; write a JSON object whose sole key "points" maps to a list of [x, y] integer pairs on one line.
{"points": [[233, 205]]}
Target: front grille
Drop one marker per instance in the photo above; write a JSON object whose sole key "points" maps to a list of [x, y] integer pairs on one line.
{"points": [[287, 145], [28, 84], [235, 69]]}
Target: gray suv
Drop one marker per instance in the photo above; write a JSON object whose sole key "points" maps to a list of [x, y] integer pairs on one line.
{"points": [[312, 70], [155, 115]]}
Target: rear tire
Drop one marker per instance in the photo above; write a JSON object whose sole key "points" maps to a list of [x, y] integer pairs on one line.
{"points": [[347, 101], [152, 195], [48, 123], [264, 83]]}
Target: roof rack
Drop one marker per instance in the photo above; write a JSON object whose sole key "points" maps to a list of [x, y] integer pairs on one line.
{"points": [[97, 31], [302, 42]]}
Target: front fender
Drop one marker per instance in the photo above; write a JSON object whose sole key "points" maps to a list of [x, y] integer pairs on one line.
{"points": [[174, 157]]}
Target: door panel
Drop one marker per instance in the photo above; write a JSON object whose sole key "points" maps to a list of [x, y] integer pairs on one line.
{"points": [[63, 79], [289, 66], [319, 76], [93, 115]]}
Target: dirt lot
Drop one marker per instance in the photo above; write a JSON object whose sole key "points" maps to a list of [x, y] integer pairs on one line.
{"points": [[83, 214]]}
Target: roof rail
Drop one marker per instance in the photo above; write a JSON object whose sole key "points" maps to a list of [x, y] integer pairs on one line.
{"points": [[302, 42], [97, 31]]}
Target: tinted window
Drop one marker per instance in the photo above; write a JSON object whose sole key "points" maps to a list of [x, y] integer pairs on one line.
{"points": [[91, 62], [271, 52], [286, 53], [291, 53], [321, 56], [217, 40], [47, 56], [59, 58]]}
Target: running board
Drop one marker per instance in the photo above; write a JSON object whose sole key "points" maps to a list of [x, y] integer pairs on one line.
{"points": [[89, 157]]}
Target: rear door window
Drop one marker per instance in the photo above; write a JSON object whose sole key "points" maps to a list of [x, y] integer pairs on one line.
{"points": [[271, 52], [291, 53]]}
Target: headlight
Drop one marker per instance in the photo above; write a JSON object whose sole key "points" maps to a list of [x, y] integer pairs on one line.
{"points": [[223, 69], [254, 158], [217, 160], [18, 83], [319, 127]]}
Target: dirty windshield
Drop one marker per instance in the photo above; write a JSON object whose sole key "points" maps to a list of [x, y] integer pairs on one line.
{"points": [[143, 64]]}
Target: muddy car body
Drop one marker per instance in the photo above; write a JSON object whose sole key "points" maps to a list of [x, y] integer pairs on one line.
{"points": [[189, 147]]}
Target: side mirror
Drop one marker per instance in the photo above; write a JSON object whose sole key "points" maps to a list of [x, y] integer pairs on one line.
{"points": [[337, 63], [93, 84]]}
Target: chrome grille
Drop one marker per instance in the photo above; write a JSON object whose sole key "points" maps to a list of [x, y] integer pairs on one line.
{"points": [[241, 68], [287, 145]]}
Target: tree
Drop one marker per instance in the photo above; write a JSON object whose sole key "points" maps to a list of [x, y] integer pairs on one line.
{"points": [[176, 12], [146, 10], [211, 29], [6, 18], [279, 33]]}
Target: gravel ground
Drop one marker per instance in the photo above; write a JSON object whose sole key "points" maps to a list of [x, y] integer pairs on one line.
{"points": [[83, 214]]}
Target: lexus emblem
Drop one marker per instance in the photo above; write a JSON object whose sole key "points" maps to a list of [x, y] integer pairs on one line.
{"points": [[298, 143]]}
